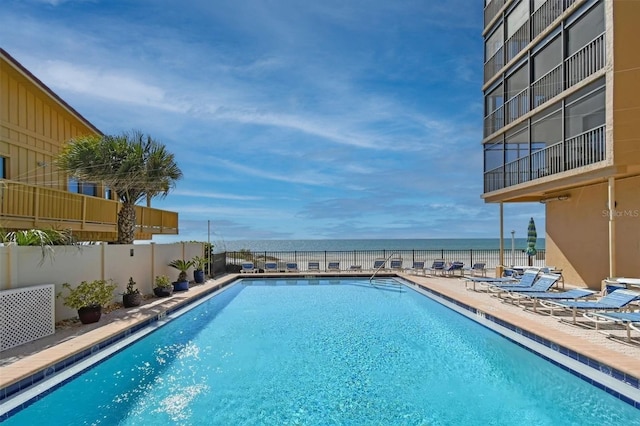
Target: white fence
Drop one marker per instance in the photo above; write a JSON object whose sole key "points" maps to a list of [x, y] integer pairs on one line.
{"points": [[22, 266], [26, 314]]}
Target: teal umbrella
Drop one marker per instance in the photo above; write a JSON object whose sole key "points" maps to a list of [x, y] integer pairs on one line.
{"points": [[532, 236]]}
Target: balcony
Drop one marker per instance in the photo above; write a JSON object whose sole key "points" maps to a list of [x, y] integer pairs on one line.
{"points": [[578, 151], [24, 206], [491, 10]]}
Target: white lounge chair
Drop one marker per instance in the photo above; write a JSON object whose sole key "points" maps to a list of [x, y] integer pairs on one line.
{"points": [[292, 267], [333, 266], [271, 266], [247, 267]]}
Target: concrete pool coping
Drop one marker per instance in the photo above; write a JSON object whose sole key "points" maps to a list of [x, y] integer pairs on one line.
{"points": [[25, 361]]}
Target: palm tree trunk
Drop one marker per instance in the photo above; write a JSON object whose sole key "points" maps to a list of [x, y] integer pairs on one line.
{"points": [[126, 223]]}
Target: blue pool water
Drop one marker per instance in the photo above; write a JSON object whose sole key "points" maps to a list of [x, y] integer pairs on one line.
{"points": [[325, 352]]}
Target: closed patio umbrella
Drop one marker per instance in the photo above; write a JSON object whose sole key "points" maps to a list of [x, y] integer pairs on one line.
{"points": [[532, 236]]}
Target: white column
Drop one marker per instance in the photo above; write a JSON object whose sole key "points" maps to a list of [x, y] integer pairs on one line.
{"points": [[612, 226]]}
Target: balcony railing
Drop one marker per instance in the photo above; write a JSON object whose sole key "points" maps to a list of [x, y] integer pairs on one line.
{"points": [[586, 61], [494, 121], [494, 64], [492, 9], [547, 86], [517, 106], [518, 41], [24, 206], [545, 15], [578, 151]]}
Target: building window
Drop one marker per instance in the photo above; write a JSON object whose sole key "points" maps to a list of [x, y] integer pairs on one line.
{"points": [[585, 113], [587, 28], [108, 194], [517, 94], [3, 167], [84, 188]]}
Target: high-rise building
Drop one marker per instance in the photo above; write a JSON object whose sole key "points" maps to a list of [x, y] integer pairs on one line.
{"points": [[562, 126]]}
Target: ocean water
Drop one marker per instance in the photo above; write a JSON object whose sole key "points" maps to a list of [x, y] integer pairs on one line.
{"points": [[374, 244]]}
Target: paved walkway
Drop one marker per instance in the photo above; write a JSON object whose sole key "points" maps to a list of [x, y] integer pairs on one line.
{"points": [[22, 361]]}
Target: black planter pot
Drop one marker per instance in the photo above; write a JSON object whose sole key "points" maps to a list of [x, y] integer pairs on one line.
{"points": [[181, 286], [163, 291], [131, 300], [198, 276], [90, 314]]}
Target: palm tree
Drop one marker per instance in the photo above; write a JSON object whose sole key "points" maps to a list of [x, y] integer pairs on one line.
{"points": [[133, 165]]}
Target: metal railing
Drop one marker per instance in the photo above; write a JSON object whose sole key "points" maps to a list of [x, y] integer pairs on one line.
{"points": [[518, 41], [586, 61], [491, 10], [581, 150], [517, 106], [545, 15], [494, 121], [494, 64], [546, 87], [365, 259]]}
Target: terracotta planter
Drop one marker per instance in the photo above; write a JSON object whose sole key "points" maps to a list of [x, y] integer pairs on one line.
{"points": [[163, 291], [131, 300], [90, 314]]}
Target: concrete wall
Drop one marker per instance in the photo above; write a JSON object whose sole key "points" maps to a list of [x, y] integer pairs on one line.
{"points": [[23, 266], [577, 237]]}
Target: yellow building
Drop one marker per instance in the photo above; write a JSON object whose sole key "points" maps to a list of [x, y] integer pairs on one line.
{"points": [[562, 126], [34, 124]]}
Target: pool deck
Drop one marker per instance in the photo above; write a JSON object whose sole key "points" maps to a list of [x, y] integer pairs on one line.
{"points": [[23, 361]]}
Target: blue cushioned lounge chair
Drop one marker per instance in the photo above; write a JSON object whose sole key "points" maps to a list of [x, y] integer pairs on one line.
{"points": [[395, 264], [333, 266], [247, 267], [271, 266], [534, 296], [629, 319], [438, 266], [313, 265], [417, 267], [541, 284], [455, 267], [379, 264], [528, 278], [292, 267], [611, 302]]}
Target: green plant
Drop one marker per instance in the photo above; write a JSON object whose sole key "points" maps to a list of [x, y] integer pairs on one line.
{"points": [[199, 263], [162, 281], [181, 265], [89, 294], [130, 287]]}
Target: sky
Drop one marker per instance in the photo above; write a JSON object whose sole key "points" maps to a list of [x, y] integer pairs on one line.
{"points": [[290, 119]]}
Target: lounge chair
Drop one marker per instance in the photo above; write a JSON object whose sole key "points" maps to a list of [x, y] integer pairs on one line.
{"points": [[631, 320], [417, 268], [395, 265], [313, 265], [437, 266], [271, 266], [292, 267], [477, 269], [528, 278], [247, 267], [487, 281], [379, 264], [611, 302], [355, 268], [453, 268], [541, 284], [534, 296], [333, 266]]}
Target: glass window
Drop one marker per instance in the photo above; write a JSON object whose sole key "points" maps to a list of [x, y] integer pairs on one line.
{"points": [[3, 168], [88, 189], [494, 100], [537, 4], [72, 185], [517, 18], [493, 43], [585, 29], [546, 130], [517, 144], [585, 114], [108, 194], [547, 59], [493, 155], [517, 82]]}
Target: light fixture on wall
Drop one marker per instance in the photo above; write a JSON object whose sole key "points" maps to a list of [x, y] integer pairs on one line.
{"points": [[558, 198]]}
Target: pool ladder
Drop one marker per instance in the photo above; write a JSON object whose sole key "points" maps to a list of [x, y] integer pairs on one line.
{"points": [[380, 267]]}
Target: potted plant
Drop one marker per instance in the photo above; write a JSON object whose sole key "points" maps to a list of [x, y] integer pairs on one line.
{"points": [[131, 297], [199, 263], [182, 283], [89, 298], [163, 287]]}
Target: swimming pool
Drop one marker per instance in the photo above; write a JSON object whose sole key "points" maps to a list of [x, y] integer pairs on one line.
{"points": [[325, 351]]}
